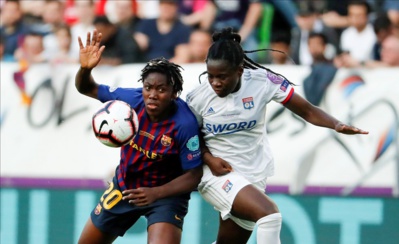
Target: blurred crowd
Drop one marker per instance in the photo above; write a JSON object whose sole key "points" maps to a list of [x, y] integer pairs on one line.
{"points": [[345, 33]]}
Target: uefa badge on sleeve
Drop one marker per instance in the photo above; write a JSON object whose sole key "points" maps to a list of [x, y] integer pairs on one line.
{"points": [[248, 102]]}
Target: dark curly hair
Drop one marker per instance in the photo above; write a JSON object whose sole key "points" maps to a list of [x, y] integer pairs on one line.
{"points": [[163, 66]]}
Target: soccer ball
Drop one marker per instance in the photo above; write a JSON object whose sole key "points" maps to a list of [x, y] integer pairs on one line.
{"points": [[115, 123]]}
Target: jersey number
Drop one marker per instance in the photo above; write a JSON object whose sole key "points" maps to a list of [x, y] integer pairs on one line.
{"points": [[110, 197]]}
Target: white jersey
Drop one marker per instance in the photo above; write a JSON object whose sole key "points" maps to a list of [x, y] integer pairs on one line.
{"points": [[234, 126]]}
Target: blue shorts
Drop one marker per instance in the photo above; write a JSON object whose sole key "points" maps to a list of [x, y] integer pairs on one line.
{"points": [[115, 216]]}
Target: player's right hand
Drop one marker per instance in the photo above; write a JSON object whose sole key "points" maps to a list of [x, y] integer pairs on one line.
{"points": [[90, 55], [218, 166]]}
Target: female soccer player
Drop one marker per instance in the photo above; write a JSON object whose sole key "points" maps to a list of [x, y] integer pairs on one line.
{"points": [[160, 167], [237, 158]]}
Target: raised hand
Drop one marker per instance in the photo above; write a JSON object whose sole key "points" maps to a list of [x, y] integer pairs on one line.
{"points": [[349, 129], [90, 55]]}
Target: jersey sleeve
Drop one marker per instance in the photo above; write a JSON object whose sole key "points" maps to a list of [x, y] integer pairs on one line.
{"points": [[189, 144], [282, 90], [129, 95]]}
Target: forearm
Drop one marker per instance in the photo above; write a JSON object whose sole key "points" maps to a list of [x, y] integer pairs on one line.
{"points": [[182, 184], [318, 117], [311, 113], [85, 83]]}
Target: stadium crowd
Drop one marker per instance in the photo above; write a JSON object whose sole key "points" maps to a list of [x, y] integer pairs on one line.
{"points": [[343, 33]]}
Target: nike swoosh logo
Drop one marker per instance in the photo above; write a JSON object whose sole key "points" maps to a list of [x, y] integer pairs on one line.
{"points": [[104, 122], [177, 217]]}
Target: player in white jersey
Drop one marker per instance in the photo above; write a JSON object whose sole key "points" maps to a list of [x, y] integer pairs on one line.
{"points": [[231, 110]]}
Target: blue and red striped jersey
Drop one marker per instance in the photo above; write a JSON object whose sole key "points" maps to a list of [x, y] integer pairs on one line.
{"points": [[160, 151]]}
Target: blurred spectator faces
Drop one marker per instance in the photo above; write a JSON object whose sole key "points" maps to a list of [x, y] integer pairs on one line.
{"points": [[53, 13], [85, 11], [358, 15], [10, 13], [120, 11], [168, 9], [390, 51], [317, 46]]}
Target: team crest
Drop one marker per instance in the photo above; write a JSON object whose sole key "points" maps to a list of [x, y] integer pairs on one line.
{"points": [[248, 102], [166, 140], [227, 186]]}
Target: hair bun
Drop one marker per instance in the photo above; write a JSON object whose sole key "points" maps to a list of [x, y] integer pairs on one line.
{"points": [[226, 34]]}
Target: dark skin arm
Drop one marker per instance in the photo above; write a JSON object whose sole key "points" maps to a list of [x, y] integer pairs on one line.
{"points": [[302, 108], [145, 195], [89, 57], [318, 117]]}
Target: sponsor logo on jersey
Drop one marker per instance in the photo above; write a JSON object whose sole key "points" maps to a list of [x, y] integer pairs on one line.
{"points": [[193, 143], [146, 134], [248, 102], [166, 140], [191, 156], [284, 86], [98, 209], [148, 154], [210, 111], [227, 186], [230, 128], [276, 79]]}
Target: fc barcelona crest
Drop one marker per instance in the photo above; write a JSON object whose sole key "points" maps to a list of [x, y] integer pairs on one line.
{"points": [[166, 140], [248, 102]]}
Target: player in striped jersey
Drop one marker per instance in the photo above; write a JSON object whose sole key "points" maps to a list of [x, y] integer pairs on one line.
{"points": [[160, 167], [231, 109]]}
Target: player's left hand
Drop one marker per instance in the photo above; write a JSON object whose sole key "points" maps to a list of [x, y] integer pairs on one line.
{"points": [[348, 129], [141, 196]]}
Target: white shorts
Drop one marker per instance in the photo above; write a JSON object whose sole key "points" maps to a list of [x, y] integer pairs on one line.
{"points": [[220, 192]]}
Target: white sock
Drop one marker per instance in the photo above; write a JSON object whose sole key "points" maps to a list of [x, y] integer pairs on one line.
{"points": [[269, 229]]}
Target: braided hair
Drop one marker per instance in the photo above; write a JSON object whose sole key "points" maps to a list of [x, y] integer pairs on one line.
{"points": [[163, 66], [226, 46]]}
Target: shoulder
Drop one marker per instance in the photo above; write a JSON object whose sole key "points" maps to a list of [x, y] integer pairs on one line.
{"points": [[184, 116], [198, 93]]}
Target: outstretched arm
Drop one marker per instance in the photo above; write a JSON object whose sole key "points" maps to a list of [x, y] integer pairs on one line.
{"points": [[89, 57], [316, 116]]}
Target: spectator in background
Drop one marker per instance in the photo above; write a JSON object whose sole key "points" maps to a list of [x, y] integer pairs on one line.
{"points": [[121, 47], [317, 44], [32, 12], [32, 49], [13, 29], [309, 21], [191, 12], [122, 13], [358, 39], [195, 50], [382, 28], [161, 36], [280, 41], [64, 53], [392, 9], [242, 15], [53, 16], [389, 56], [85, 14]]}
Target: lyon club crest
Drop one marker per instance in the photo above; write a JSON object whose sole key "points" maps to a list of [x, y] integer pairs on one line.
{"points": [[248, 102]]}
